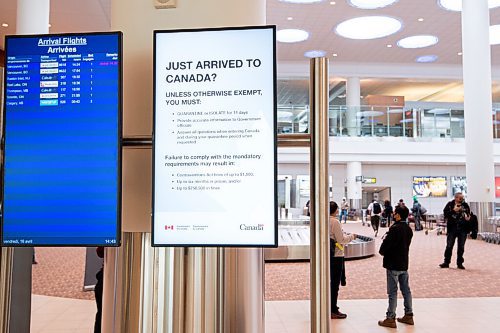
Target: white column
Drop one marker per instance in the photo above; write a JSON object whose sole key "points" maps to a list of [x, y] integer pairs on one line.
{"points": [[353, 102], [477, 100], [32, 17], [354, 189], [479, 163]]}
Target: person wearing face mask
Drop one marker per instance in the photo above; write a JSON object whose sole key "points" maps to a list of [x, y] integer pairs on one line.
{"points": [[457, 215]]}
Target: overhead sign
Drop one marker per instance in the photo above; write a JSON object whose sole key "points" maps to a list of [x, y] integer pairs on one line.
{"points": [[62, 131], [369, 180], [214, 174]]}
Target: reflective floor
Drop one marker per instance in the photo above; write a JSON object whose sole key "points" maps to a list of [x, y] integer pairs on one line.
{"points": [[443, 315], [61, 315]]}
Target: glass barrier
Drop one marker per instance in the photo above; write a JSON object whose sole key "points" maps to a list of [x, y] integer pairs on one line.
{"points": [[383, 121]]}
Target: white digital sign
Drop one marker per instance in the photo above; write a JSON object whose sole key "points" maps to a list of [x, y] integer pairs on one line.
{"points": [[214, 144]]}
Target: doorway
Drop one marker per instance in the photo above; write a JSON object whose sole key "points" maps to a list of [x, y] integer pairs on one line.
{"points": [[379, 193]]}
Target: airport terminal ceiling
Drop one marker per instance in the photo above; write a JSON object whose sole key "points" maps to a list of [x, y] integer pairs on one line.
{"points": [[320, 20]]}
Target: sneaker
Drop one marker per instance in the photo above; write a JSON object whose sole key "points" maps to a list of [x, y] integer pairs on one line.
{"points": [[407, 319], [444, 265], [387, 322], [338, 315], [460, 266]]}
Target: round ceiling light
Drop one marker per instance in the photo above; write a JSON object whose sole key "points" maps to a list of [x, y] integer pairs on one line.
{"points": [[427, 58], [314, 53], [291, 35], [302, 1], [416, 42], [368, 27], [495, 34], [456, 5], [371, 4]]}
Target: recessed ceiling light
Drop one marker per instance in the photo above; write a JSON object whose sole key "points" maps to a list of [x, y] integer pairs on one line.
{"points": [[50, 25], [301, 1], [368, 27], [332, 3], [495, 34], [456, 5], [371, 4], [5, 25], [289, 18], [315, 53], [427, 58], [291, 35], [389, 45], [415, 42], [421, 19], [335, 54], [459, 53]]}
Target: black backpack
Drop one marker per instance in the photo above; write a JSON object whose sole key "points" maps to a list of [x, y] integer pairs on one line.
{"points": [[376, 208]]}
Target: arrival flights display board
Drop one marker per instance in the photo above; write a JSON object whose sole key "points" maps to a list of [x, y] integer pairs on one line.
{"points": [[215, 138], [62, 128]]}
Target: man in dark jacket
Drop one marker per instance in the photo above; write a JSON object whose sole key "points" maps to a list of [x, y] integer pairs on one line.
{"points": [[457, 215], [395, 249]]}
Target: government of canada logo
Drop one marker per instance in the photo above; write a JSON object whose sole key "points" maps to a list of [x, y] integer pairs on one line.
{"points": [[251, 227]]}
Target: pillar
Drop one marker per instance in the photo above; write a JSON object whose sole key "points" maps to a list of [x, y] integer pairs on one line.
{"points": [[479, 163], [15, 263], [319, 194], [181, 290], [353, 103], [32, 17], [354, 189]]}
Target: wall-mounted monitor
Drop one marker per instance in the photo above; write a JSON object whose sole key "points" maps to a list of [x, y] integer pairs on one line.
{"points": [[62, 140], [214, 175], [429, 186], [459, 184]]}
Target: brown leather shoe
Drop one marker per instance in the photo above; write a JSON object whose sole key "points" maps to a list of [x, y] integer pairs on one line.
{"points": [[338, 315], [387, 322], [407, 319]]}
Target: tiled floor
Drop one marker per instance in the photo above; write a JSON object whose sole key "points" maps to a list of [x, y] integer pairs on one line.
{"points": [[450, 315], [366, 277], [443, 315], [61, 315]]}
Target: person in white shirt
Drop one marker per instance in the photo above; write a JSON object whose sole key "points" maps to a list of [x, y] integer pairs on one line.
{"points": [[375, 210], [337, 241]]}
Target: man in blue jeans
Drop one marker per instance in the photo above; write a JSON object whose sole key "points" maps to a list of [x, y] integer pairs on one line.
{"points": [[395, 249], [344, 210]]}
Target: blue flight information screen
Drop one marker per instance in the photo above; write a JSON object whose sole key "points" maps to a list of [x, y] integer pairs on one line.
{"points": [[62, 140]]}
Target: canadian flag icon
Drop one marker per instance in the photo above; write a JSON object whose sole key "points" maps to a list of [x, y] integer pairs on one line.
{"points": [[169, 227]]}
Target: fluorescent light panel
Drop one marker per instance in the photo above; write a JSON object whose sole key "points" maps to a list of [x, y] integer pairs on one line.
{"points": [[368, 27], [456, 5], [419, 41], [371, 4], [291, 35]]}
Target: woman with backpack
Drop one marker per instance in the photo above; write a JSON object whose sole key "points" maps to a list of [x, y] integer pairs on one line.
{"points": [[375, 212]]}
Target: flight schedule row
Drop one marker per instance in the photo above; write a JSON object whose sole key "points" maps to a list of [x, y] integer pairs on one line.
{"points": [[48, 80]]}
